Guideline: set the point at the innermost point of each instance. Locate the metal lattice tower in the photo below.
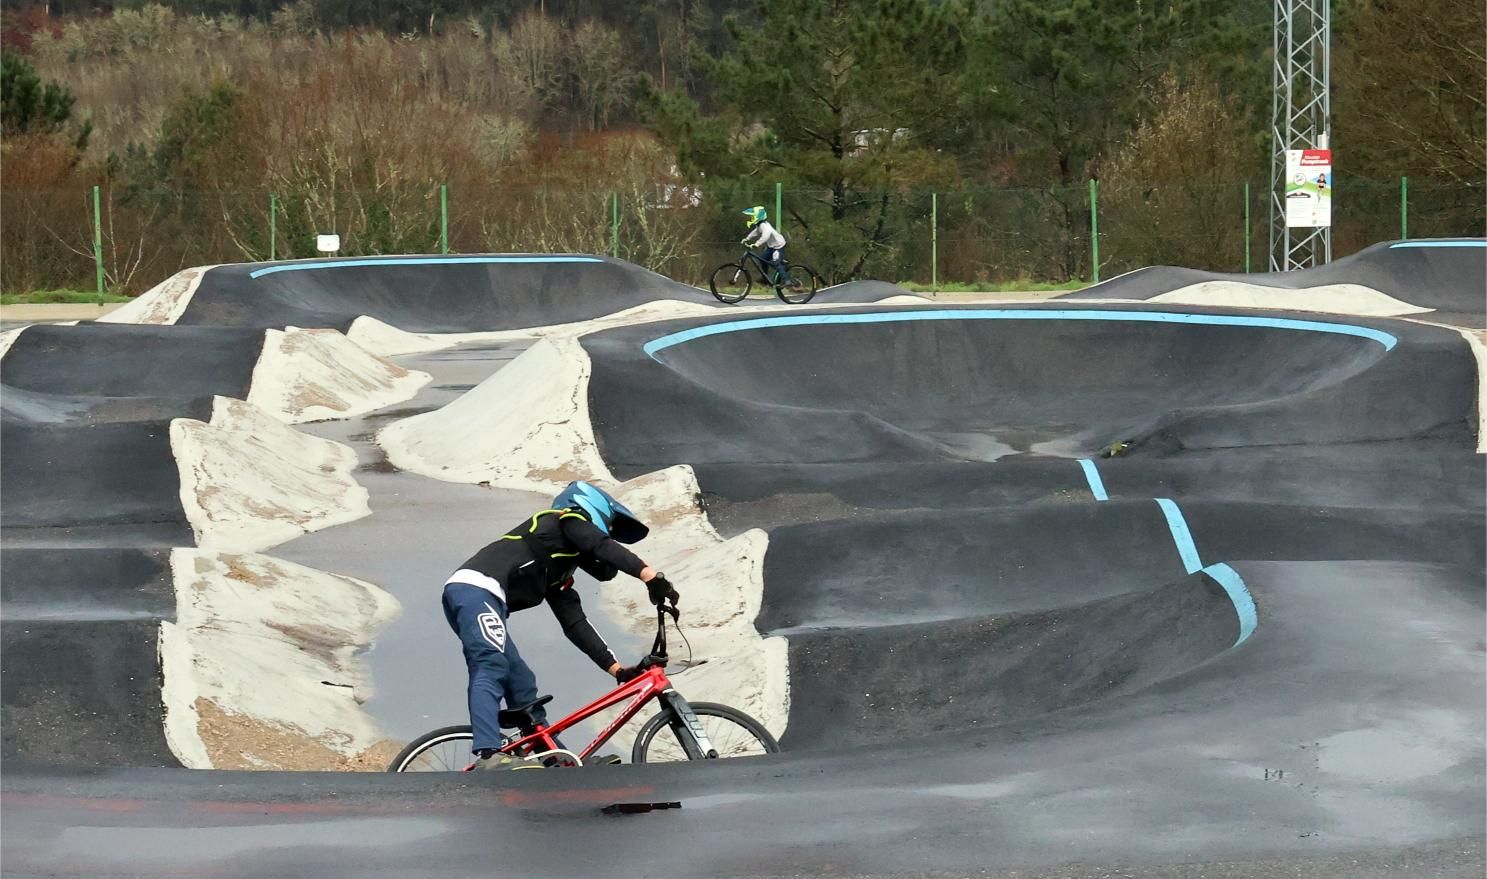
(1301, 113)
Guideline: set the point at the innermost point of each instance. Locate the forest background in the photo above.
(907, 140)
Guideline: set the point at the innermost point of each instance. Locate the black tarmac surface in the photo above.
(89, 507)
(428, 294)
(1448, 276)
(1064, 596)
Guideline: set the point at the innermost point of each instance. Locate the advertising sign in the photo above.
(1308, 188)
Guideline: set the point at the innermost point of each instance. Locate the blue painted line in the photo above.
(1244, 602)
(1476, 243)
(1092, 475)
(436, 260)
(1181, 536)
(881, 317)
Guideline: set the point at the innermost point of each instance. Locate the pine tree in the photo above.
(847, 102)
(27, 106)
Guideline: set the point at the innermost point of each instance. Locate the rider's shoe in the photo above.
(507, 761)
(603, 760)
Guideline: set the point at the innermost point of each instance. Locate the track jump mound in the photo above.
(86, 426)
(1445, 276)
(423, 294)
(922, 679)
(973, 384)
(931, 481)
(864, 292)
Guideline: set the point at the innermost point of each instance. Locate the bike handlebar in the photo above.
(658, 646)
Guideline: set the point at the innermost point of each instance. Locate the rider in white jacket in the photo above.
(767, 236)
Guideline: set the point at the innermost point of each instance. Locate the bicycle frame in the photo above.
(651, 684)
(765, 269)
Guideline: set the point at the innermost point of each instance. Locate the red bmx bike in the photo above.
(682, 730)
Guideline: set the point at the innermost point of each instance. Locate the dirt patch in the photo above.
(235, 741)
(308, 396)
(239, 570)
(660, 518)
(558, 475)
(318, 641)
(266, 510)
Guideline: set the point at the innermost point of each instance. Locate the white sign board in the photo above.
(1308, 188)
(327, 243)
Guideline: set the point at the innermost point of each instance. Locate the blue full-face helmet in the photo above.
(607, 514)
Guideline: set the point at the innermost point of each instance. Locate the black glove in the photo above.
(660, 590)
(628, 673)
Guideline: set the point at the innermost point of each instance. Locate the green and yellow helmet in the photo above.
(756, 214)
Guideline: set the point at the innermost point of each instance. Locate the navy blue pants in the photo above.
(497, 671)
(775, 256)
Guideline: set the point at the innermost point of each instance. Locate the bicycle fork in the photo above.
(687, 727)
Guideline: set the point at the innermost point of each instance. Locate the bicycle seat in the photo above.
(520, 717)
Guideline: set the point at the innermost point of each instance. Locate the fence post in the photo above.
(1404, 208)
(934, 241)
(273, 226)
(443, 217)
(779, 216)
(1094, 229)
(98, 243)
(1246, 227)
(614, 225)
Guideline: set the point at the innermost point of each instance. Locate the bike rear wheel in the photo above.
(732, 733)
(730, 282)
(809, 283)
(444, 750)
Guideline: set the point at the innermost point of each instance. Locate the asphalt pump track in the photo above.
(1070, 588)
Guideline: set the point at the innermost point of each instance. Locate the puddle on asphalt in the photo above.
(1423, 744)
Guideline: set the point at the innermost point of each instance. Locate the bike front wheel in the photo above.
(444, 750)
(803, 286)
(732, 733)
(730, 282)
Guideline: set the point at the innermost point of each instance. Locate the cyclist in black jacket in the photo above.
(534, 562)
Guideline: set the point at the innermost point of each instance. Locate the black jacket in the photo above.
(534, 562)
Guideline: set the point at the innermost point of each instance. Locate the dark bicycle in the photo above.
(731, 282)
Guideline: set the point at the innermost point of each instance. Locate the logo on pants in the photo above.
(492, 629)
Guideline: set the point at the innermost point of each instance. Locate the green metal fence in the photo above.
(105, 238)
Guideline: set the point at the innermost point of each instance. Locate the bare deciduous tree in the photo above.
(602, 79)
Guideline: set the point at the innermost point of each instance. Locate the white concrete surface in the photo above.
(312, 375)
(259, 638)
(8, 338)
(249, 481)
(163, 303)
(526, 427)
